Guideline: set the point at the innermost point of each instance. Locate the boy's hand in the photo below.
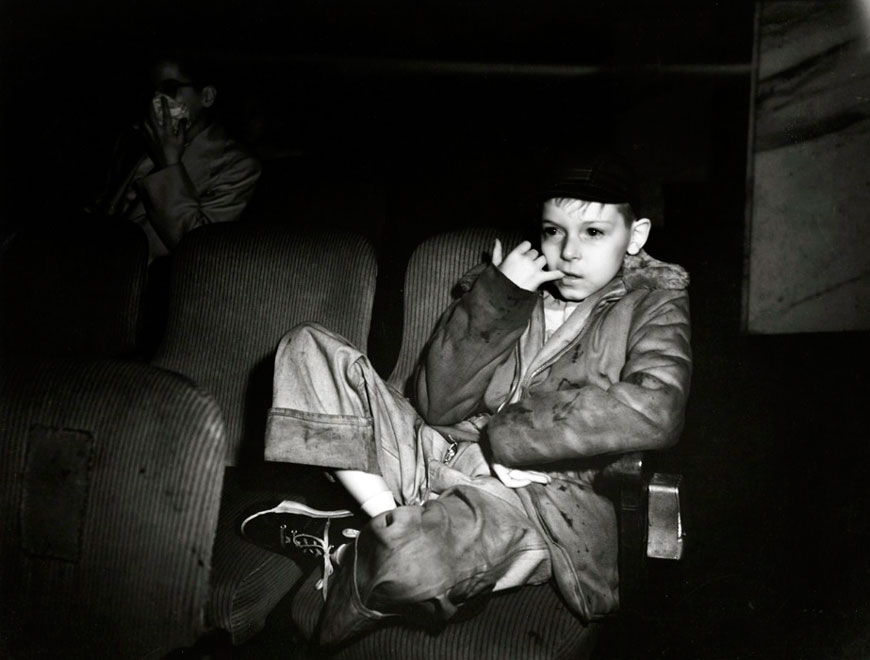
(513, 478)
(165, 143)
(524, 266)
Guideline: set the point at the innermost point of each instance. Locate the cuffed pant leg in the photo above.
(332, 409)
(423, 562)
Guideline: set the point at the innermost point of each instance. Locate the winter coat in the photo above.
(614, 378)
(213, 183)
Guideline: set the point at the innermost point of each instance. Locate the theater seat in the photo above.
(110, 474)
(235, 290)
(431, 280)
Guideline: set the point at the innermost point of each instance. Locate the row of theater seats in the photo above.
(125, 474)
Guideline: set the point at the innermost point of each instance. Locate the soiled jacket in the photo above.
(213, 183)
(614, 378)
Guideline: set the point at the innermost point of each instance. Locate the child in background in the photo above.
(179, 168)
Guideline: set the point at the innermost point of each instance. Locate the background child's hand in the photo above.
(524, 266)
(165, 142)
(513, 478)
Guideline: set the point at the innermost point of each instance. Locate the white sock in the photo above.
(379, 503)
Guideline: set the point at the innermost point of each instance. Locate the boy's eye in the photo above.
(593, 232)
(549, 231)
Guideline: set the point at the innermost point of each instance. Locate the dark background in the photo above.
(403, 119)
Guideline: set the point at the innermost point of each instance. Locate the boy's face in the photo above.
(169, 79)
(587, 242)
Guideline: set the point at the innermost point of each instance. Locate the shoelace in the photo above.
(322, 546)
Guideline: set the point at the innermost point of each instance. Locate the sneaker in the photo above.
(302, 532)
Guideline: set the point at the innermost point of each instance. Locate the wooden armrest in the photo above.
(650, 524)
(625, 480)
(665, 526)
(624, 470)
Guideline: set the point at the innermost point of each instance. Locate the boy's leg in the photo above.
(370, 491)
(424, 562)
(331, 408)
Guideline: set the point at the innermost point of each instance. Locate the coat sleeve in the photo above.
(174, 207)
(643, 410)
(472, 338)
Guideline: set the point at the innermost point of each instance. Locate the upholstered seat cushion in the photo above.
(434, 270)
(247, 581)
(110, 475)
(235, 290)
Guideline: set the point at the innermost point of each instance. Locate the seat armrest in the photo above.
(625, 481)
(624, 470)
(649, 520)
(665, 527)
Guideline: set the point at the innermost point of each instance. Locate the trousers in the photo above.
(458, 532)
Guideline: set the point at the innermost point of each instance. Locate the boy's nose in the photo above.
(570, 249)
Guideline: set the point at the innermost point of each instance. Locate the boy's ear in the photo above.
(208, 96)
(640, 229)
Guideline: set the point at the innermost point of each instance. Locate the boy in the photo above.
(550, 360)
(179, 168)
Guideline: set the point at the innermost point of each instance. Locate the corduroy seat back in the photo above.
(235, 290)
(529, 623)
(74, 291)
(110, 474)
(434, 269)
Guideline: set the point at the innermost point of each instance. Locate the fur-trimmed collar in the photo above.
(641, 271)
